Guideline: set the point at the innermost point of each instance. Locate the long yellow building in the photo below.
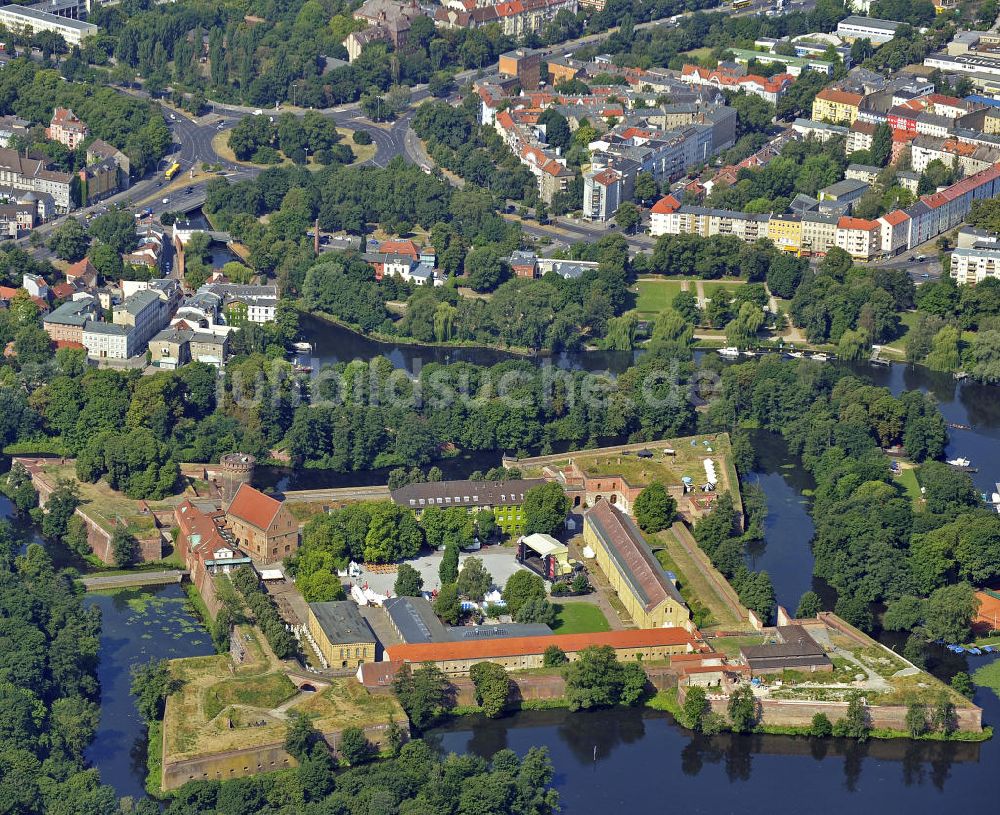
(785, 232)
(649, 596)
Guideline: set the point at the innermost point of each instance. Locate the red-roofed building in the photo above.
(658, 214)
(769, 88)
(63, 291)
(82, 273)
(261, 525)
(859, 237)
(400, 247)
(525, 653)
(207, 547)
(66, 128)
(894, 227)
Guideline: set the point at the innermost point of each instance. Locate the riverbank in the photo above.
(396, 339)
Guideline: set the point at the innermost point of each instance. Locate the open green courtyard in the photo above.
(579, 618)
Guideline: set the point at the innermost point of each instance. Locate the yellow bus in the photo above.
(738, 4)
(173, 168)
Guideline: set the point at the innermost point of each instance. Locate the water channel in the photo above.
(643, 760)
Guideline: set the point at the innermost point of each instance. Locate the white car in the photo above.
(166, 200)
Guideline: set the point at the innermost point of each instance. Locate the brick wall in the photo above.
(240, 763)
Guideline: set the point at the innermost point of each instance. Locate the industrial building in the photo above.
(28, 20)
(341, 634)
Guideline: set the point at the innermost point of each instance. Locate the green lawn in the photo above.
(989, 677)
(908, 478)
(908, 319)
(264, 692)
(656, 295)
(711, 287)
(579, 618)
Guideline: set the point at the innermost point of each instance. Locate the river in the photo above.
(644, 760)
(647, 763)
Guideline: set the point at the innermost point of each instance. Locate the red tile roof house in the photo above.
(261, 525)
(66, 128)
(204, 544)
(82, 273)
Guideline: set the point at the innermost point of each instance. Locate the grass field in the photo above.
(700, 613)
(219, 708)
(908, 478)
(694, 585)
(989, 677)
(655, 296)
(712, 286)
(908, 320)
(579, 618)
(266, 692)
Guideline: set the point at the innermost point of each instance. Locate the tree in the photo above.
(536, 611)
(409, 582)
(742, 709)
(627, 216)
(962, 683)
(596, 679)
(474, 580)
(881, 145)
(485, 269)
(943, 717)
(554, 656)
(422, 693)
(557, 131)
(545, 509)
(492, 687)
(106, 261)
(809, 606)
(855, 611)
(301, 737)
(62, 503)
(645, 186)
(949, 611)
(856, 723)
(821, 726)
(69, 241)
(695, 707)
(354, 746)
(447, 605)
(151, 685)
(448, 568)
(916, 719)
(654, 508)
(486, 524)
(125, 548)
(903, 614)
(522, 587)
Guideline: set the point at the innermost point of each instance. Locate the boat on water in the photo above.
(795, 354)
(959, 462)
(958, 426)
(820, 357)
(302, 369)
(302, 347)
(729, 352)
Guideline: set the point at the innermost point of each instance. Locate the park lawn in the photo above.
(908, 478)
(694, 587)
(908, 319)
(700, 613)
(655, 296)
(698, 54)
(579, 618)
(712, 286)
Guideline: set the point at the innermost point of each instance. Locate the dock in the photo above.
(876, 359)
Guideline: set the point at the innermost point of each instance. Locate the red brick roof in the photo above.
(80, 269)
(841, 97)
(254, 507)
(666, 205)
(857, 223)
(896, 217)
(521, 646)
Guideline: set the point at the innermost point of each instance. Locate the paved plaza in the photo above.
(500, 562)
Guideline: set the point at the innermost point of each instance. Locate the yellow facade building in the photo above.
(785, 232)
(648, 594)
(836, 106)
(341, 634)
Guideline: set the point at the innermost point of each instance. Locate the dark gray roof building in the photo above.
(795, 649)
(465, 493)
(342, 622)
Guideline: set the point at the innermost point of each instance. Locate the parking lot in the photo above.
(500, 562)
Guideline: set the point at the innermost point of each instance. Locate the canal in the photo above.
(643, 759)
(137, 626)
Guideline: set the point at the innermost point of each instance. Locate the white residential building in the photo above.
(867, 28)
(975, 264)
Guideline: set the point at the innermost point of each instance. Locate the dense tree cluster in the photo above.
(597, 679)
(370, 431)
(134, 126)
(48, 687)
(265, 612)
